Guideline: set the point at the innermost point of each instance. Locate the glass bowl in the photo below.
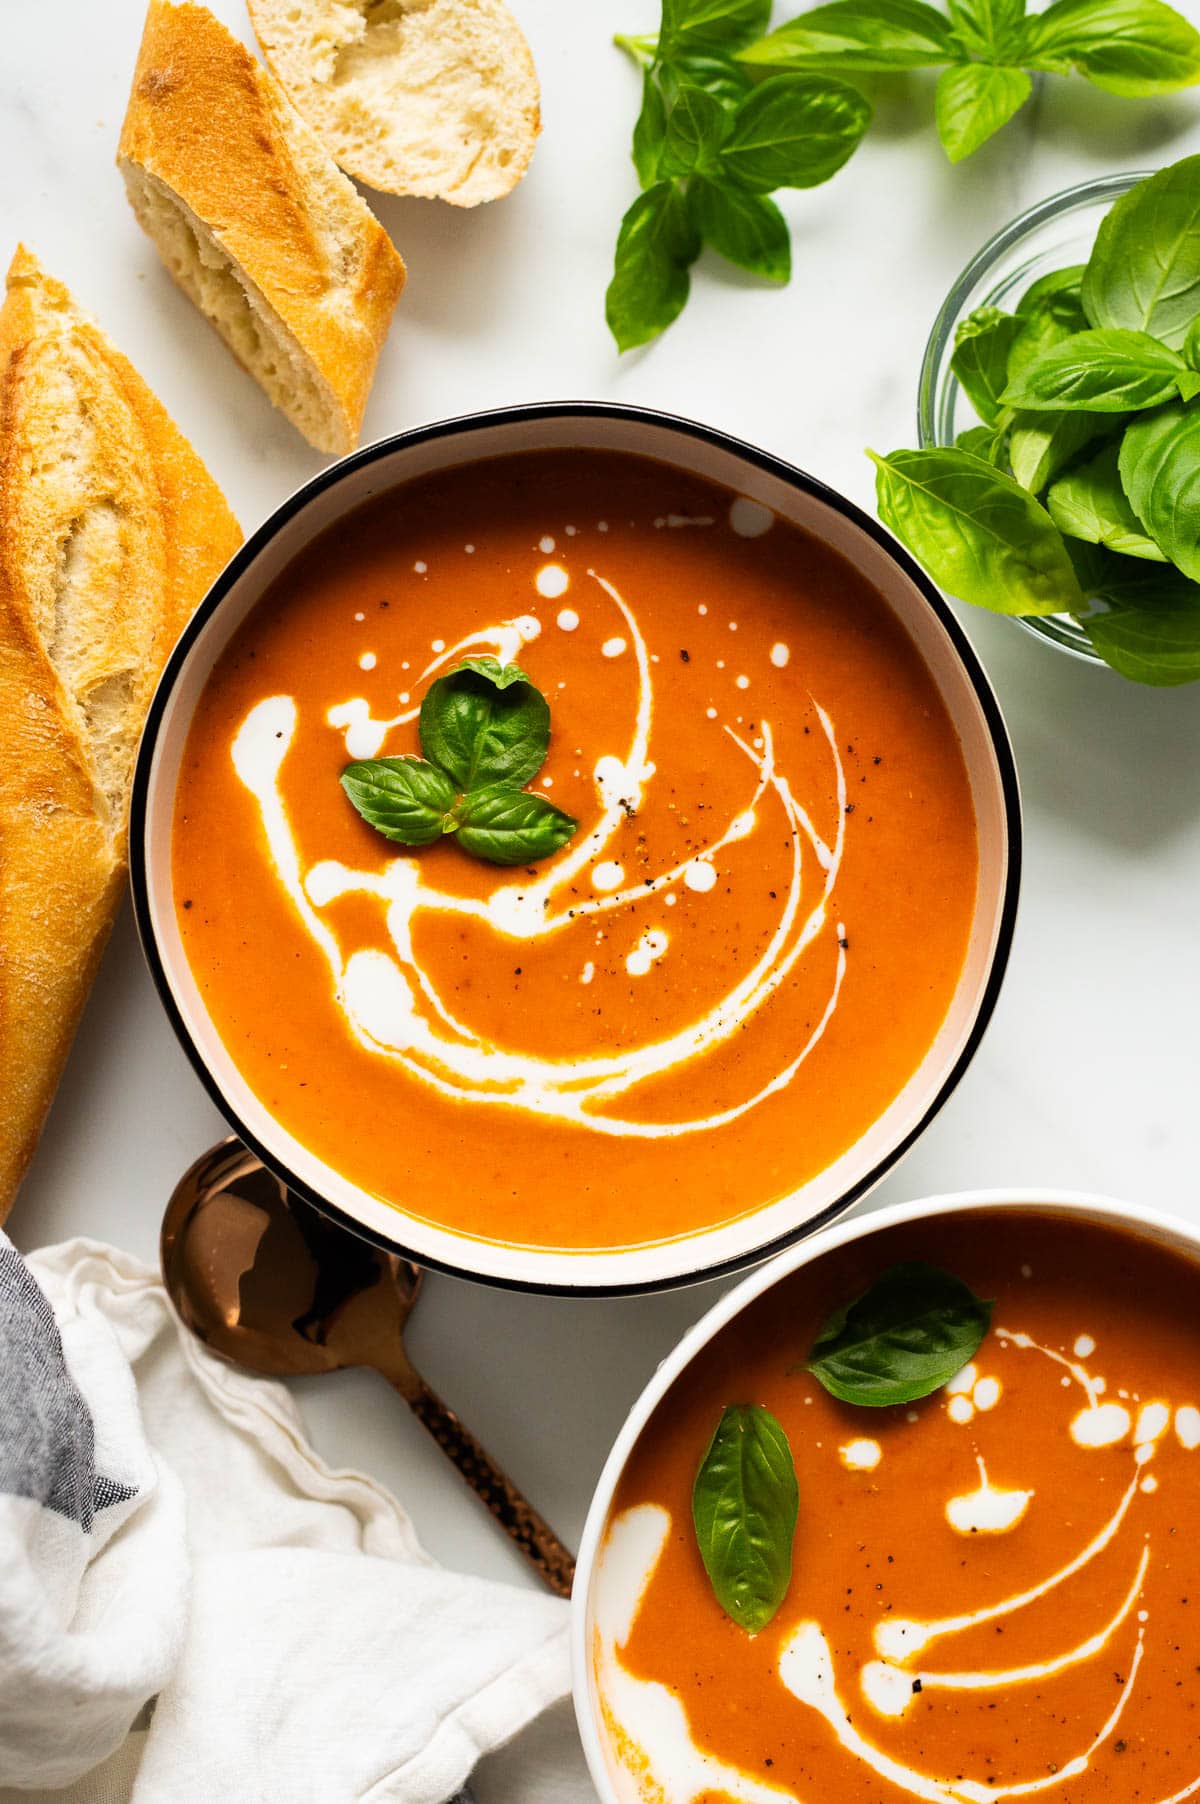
(1053, 235)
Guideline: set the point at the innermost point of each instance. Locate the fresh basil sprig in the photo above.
(1080, 491)
(1129, 47)
(744, 1506)
(902, 1339)
(485, 731)
(710, 147)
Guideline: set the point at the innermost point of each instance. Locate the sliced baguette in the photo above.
(431, 97)
(110, 531)
(256, 223)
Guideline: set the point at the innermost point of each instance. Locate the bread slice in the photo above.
(111, 529)
(430, 97)
(256, 224)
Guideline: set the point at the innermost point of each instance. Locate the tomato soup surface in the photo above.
(713, 990)
(995, 1591)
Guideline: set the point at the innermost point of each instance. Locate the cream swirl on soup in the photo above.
(389, 1000)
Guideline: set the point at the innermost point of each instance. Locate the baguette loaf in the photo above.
(256, 223)
(110, 531)
(432, 97)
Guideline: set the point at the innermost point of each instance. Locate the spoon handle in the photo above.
(516, 1516)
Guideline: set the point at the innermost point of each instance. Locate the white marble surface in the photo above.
(1090, 1073)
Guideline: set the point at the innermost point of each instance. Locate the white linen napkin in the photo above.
(167, 1533)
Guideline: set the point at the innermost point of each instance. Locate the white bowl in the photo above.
(793, 496)
(1162, 1230)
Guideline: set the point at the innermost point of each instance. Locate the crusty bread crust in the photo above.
(110, 531)
(256, 223)
(437, 98)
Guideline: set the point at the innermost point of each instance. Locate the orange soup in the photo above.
(994, 1592)
(705, 997)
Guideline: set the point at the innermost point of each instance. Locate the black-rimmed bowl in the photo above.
(791, 495)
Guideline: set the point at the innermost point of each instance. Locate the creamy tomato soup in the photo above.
(995, 1591)
(701, 1001)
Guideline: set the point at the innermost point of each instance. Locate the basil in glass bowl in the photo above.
(1049, 239)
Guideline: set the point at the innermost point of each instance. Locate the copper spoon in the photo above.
(271, 1284)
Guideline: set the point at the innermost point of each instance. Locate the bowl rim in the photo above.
(1095, 1207)
(465, 426)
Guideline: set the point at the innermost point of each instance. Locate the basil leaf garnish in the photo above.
(1105, 371)
(511, 826)
(1144, 270)
(981, 350)
(484, 725)
(744, 1506)
(402, 798)
(981, 535)
(902, 1339)
(973, 101)
(1160, 473)
(485, 730)
(1089, 503)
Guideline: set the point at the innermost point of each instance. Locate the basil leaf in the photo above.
(746, 228)
(1144, 270)
(650, 132)
(656, 246)
(973, 101)
(1159, 645)
(403, 798)
(510, 826)
(850, 36)
(1160, 473)
(1191, 344)
(978, 533)
(1058, 284)
(1129, 47)
(1041, 445)
(794, 131)
(1127, 582)
(985, 441)
(905, 1337)
(744, 1506)
(711, 24)
(715, 74)
(483, 724)
(1106, 371)
(501, 676)
(1047, 318)
(980, 361)
(989, 29)
(697, 126)
(1091, 504)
